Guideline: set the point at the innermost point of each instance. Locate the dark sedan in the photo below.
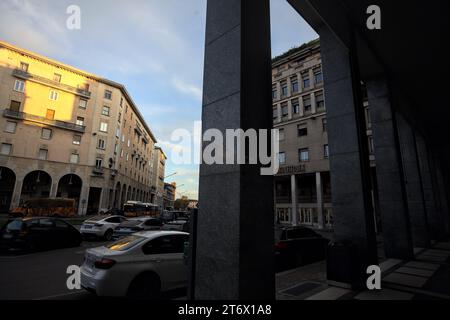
(36, 234)
(298, 246)
(135, 225)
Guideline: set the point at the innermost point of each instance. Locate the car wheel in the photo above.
(108, 234)
(145, 286)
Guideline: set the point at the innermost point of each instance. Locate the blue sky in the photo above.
(153, 47)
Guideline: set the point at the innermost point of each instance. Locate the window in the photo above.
(294, 84)
(306, 81)
(80, 121)
(302, 130)
(320, 102)
(98, 163)
(19, 86)
(24, 66)
(6, 149)
(129, 143)
(307, 103)
(326, 152)
(101, 144)
(284, 89)
(105, 111)
(324, 125)
(303, 155)
(108, 94)
(121, 153)
(121, 102)
(103, 127)
(74, 158)
(50, 115)
(119, 119)
(118, 132)
(368, 119)
(53, 95)
(43, 153)
(274, 93)
(76, 139)
(14, 106)
(10, 127)
(46, 133)
(128, 156)
(282, 134)
(57, 77)
(318, 77)
(282, 158)
(82, 104)
(284, 110)
(275, 113)
(295, 106)
(165, 245)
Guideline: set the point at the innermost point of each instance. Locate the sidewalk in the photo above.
(426, 277)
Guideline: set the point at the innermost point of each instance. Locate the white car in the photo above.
(138, 266)
(101, 226)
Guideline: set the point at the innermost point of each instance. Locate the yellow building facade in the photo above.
(71, 134)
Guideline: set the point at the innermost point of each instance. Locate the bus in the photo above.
(46, 207)
(138, 209)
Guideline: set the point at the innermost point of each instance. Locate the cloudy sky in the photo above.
(153, 47)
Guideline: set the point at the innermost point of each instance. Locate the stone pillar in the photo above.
(300, 82)
(15, 201)
(294, 200)
(301, 106)
(279, 112)
(319, 193)
(102, 198)
(289, 86)
(54, 190)
(312, 83)
(290, 109)
(84, 198)
(234, 257)
(391, 189)
(349, 154)
(413, 185)
(313, 103)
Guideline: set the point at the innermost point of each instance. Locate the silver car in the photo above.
(138, 266)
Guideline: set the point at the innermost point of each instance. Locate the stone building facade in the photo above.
(68, 133)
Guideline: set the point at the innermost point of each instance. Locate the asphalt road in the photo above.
(42, 275)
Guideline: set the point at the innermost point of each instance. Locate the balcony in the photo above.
(17, 115)
(98, 171)
(48, 82)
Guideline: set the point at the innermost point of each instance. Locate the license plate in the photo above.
(88, 227)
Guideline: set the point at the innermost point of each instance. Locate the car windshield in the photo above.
(126, 243)
(130, 223)
(96, 218)
(15, 225)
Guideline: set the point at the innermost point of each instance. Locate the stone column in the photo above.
(300, 82)
(279, 112)
(290, 109)
(84, 198)
(312, 83)
(15, 201)
(349, 154)
(413, 185)
(313, 103)
(319, 193)
(289, 86)
(234, 257)
(391, 189)
(294, 199)
(301, 106)
(54, 190)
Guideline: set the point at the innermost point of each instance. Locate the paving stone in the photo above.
(388, 264)
(405, 279)
(332, 293)
(384, 294)
(416, 272)
(428, 257)
(422, 265)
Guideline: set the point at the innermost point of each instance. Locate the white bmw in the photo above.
(138, 266)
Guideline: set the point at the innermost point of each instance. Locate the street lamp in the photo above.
(170, 175)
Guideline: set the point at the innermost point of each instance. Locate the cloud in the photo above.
(187, 88)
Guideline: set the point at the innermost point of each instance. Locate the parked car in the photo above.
(167, 216)
(177, 225)
(138, 266)
(297, 246)
(101, 226)
(135, 225)
(38, 233)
